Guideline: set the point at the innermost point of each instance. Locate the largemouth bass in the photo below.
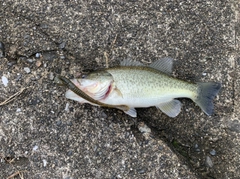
(137, 86)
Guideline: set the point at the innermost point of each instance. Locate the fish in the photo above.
(136, 85)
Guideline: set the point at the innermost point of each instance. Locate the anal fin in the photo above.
(131, 112)
(171, 108)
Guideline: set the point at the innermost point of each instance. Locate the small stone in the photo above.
(213, 152)
(142, 127)
(209, 162)
(4, 81)
(59, 123)
(69, 153)
(62, 57)
(44, 162)
(104, 115)
(38, 55)
(67, 107)
(38, 63)
(30, 60)
(11, 63)
(160, 147)
(62, 45)
(119, 176)
(18, 110)
(141, 171)
(18, 77)
(35, 147)
(27, 70)
(51, 76)
(196, 148)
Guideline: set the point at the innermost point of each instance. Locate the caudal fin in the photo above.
(206, 93)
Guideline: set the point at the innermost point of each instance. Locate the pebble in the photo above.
(209, 162)
(27, 70)
(4, 81)
(38, 55)
(18, 76)
(11, 63)
(59, 123)
(44, 162)
(67, 107)
(104, 115)
(144, 128)
(51, 77)
(69, 153)
(18, 110)
(30, 60)
(160, 147)
(196, 148)
(141, 171)
(62, 57)
(213, 152)
(62, 45)
(35, 147)
(38, 63)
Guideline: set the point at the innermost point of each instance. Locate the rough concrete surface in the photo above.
(44, 135)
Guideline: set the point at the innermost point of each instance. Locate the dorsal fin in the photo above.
(164, 65)
(127, 62)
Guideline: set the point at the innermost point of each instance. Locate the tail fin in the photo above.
(206, 93)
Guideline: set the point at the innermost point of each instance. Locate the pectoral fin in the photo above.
(171, 108)
(119, 93)
(71, 95)
(131, 112)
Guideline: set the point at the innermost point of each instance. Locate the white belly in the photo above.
(133, 101)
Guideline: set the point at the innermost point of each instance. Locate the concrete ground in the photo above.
(44, 135)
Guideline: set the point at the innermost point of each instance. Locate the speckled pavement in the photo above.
(44, 135)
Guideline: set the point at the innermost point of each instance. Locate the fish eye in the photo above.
(84, 76)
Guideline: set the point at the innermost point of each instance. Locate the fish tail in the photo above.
(206, 94)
